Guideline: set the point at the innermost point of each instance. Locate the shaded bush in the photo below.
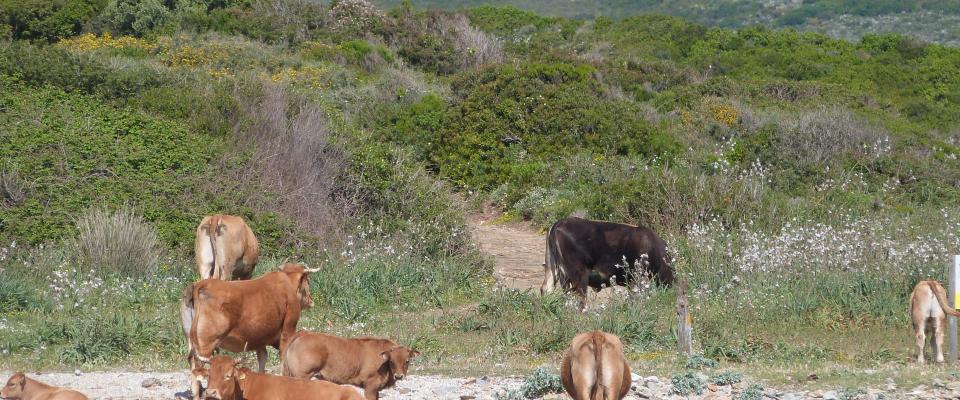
(135, 16)
(118, 242)
(46, 20)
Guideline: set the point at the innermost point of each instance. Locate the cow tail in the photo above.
(187, 313)
(598, 383)
(941, 296)
(554, 261)
(212, 230)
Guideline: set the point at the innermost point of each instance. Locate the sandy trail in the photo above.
(517, 250)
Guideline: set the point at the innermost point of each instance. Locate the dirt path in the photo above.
(517, 249)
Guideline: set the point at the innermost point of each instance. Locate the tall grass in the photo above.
(118, 242)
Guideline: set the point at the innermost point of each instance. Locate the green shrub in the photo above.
(46, 20)
(698, 361)
(115, 156)
(726, 378)
(541, 382)
(688, 383)
(135, 16)
(118, 242)
(16, 294)
(752, 392)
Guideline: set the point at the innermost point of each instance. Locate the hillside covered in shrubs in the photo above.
(783, 167)
(930, 20)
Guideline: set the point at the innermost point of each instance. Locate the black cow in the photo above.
(582, 253)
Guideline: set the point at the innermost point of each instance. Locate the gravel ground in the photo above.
(171, 385)
(174, 385)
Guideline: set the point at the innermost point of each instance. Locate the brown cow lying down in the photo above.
(594, 367)
(370, 363)
(928, 304)
(244, 315)
(20, 387)
(227, 381)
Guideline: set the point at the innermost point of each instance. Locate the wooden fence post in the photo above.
(684, 322)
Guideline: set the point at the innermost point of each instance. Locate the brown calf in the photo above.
(244, 315)
(370, 363)
(225, 248)
(19, 387)
(594, 367)
(227, 381)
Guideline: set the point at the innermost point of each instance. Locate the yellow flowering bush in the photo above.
(724, 114)
(309, 75)
(89, 42)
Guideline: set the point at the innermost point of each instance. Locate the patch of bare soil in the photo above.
(517, 249)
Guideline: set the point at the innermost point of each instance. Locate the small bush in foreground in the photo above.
(752, 392)
(687, 384)
(727, 378)
(698, 361)
(120, 242)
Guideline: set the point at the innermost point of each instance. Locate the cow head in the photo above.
(224, 379)
(14, 387)
(300, 275)
(396, 360)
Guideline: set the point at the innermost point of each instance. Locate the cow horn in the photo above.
(309, 270)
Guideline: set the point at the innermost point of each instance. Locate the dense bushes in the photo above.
(44, 19)
(82, 152)
(508, 116)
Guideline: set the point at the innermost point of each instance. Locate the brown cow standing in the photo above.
(244, 315)
(929, 305)
(230, 382)
(225, 248)
(370, 363)
(594, 367)
(19, 387)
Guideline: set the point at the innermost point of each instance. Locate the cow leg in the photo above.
(580, 288)
(548, 281)
(919, 331)
(261, 359)
(371, 393)
(937, 342)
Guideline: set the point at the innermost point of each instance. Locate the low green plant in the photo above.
(752, 392)
(726, 378)
(688, 383)
(540, 382)
(698, 361)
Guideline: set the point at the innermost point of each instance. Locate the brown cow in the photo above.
(370, 363)
(244, 315)
(594, 367)
(227, 381)
(19, 387)
(225, 248)
(928, 304)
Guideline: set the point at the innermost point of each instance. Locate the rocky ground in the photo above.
(174, 385)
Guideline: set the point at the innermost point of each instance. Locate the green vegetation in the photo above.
(804, 183)
(850, 19)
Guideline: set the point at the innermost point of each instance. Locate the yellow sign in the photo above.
(956, 299)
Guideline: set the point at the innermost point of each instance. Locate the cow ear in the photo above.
(414, 353)
(385, 355)
(242, 375)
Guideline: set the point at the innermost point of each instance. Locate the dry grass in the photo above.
(118, 242)
(474, 47)
(12, 186)
(294, 155)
